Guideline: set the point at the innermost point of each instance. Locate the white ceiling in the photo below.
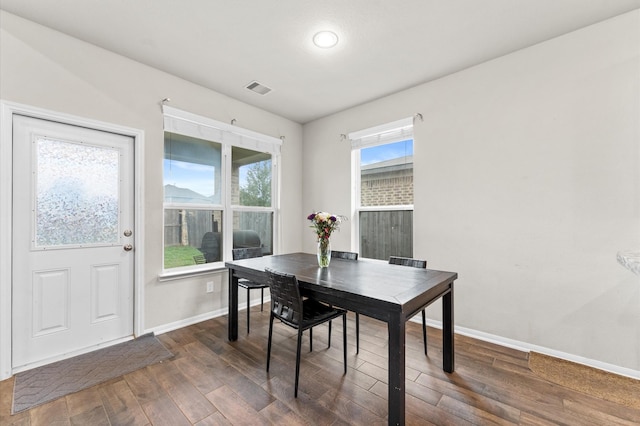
(385, 46)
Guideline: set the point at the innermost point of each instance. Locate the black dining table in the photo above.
(375, 288)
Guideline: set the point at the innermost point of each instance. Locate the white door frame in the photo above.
(7, 110)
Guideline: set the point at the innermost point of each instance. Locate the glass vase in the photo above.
(324, 252)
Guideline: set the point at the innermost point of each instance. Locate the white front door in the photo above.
(73, 263)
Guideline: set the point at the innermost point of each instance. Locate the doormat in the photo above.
(591, 381)
(44, 384)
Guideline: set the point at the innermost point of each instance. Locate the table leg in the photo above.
(396, 370)
(233, 306)
(447, 332)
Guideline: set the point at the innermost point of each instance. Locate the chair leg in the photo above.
(261, 299)
(357, 332)
(311, 339)
(298, 360)
(248, 311)
(344, 340)
(269, 344)
(424, 330)
(329, 335)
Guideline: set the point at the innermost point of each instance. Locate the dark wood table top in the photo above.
(368, 286)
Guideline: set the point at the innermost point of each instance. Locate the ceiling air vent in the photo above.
(261, 89)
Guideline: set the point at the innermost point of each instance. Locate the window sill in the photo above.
(176, 275)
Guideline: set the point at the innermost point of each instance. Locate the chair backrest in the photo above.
(199, 259)
(286, 302)
(407, 261)
(246, 253)
(347, 255)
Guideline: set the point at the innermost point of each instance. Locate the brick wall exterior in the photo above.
(387, 188)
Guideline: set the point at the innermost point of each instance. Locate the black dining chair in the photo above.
(288, 306)
(414, 263)
(248, 253)
(349, 255)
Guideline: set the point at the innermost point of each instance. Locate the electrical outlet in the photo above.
(209, 286)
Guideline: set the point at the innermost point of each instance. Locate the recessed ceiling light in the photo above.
(325, 39)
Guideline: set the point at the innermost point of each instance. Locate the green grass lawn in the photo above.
(176, 256)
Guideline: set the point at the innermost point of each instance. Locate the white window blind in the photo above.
(197, 126)
(395, 131)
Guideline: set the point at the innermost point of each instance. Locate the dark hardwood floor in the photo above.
(211, 381)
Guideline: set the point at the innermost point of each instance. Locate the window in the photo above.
(251, 199)
(219, 190)
(383, 175)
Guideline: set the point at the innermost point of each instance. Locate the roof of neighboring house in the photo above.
(395, 164)
(174, 194)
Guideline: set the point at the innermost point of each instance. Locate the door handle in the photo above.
(128, 247)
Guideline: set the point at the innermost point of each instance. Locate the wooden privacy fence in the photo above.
(382, 233)
(187, 227)
(386, 233)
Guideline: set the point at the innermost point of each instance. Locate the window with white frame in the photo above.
(382, 159)
(220, 190)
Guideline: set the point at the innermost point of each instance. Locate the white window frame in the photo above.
(196, 126)
(395, 131)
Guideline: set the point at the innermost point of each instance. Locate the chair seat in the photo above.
(250, 284)
(315, 312)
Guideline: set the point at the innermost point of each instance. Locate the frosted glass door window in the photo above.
(77, 194)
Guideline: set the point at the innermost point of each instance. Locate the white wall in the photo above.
(527, 172)
(527, 183)
(47, 69)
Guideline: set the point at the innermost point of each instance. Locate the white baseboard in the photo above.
(480, 335)
(528, 347)
(165, 328)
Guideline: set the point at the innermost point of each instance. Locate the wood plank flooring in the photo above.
(211, 381)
